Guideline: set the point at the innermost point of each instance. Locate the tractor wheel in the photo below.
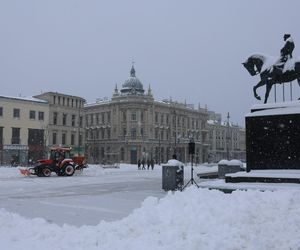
(46, 172)
(69, 170)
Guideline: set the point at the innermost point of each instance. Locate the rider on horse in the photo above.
(285, 52)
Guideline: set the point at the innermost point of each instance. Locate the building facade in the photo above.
(132, 125)
(227, 141)
(23, 122)
(66, 120)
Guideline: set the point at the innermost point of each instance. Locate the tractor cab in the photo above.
(57, 155)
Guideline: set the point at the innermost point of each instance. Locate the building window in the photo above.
(122, 154)
(55, 118)
(80, 140)
(161, 135)
(54, 138)
(142, 116)
(54, 99)
(124, 132)
(64, 119)
(133, 133)
(73, 120)
(72, 103)
(72, 139)
(102, 117)
(108, 133)
(16, 113)
(63, 101)
(80, 121)
(1, 135)
(162, 119)
(41, 115)
(156, 133)
(124, 116)
(32, 115)
(92, 119)
(63, 138)
(15, 139)
(102, 153)
(1, 111)
(156, 117)
(133, 116)
(108, 117)
(59, 100)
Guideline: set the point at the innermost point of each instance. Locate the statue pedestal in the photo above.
(273, 136)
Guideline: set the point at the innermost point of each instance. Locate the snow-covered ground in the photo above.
(127, 209)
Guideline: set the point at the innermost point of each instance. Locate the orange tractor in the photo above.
(61, 161)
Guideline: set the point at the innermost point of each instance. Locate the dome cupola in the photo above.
(132, 85)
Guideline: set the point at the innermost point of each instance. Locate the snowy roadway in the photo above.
(87, 198)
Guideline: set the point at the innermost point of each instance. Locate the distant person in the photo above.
(13, 161)
(152, 163)
(148, 164)
(30, 161)
(143, 164)
(139, 164)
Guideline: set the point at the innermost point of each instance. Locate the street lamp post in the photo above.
(227, 138)
(175, 135)
(159, 148)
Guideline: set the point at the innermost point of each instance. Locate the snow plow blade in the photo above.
(25, 171)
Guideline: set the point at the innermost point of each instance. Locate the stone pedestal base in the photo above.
(273, 136)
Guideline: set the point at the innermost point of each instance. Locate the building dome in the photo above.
(132, 85)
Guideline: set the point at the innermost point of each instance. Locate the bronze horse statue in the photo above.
(265, 66)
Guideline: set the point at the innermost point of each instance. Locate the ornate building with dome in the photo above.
(133, 125)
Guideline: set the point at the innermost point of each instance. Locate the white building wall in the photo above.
(7, 121)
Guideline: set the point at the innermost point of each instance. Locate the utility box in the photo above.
(172, 175)
(227, 167)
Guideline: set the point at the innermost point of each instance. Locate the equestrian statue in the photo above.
(273, 70)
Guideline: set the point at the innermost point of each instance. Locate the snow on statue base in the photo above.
(273, 136)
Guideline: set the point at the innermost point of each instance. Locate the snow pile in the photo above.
(193, 219)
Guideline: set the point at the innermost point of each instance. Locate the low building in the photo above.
(227, 141)
(23, 122)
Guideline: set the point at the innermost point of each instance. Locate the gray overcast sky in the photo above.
(185, 49)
